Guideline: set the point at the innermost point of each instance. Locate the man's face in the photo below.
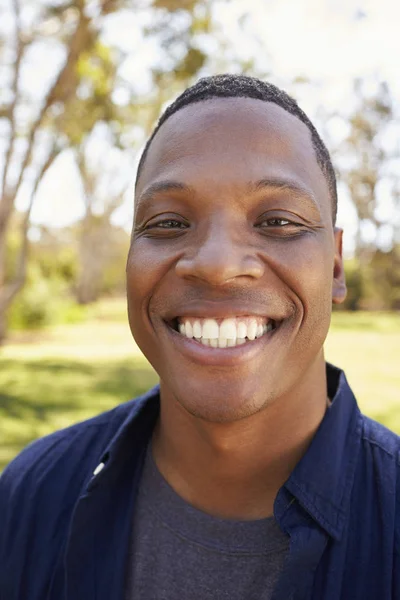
(233, 222)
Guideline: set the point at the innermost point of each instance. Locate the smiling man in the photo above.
(249, 472)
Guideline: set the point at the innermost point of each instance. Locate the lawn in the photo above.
(51, 379)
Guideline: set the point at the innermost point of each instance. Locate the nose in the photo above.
(220, 258)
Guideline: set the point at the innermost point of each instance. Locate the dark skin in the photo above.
(233, 218)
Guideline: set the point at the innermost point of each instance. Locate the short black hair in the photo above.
(243, 86)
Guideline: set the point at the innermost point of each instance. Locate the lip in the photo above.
(219, 357)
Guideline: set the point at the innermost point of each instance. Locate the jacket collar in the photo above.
(321, 481)
(102, 518)
(127, 446)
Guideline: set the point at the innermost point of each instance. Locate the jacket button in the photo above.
(99, 468)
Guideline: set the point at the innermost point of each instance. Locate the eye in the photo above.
(279, 226)
(166, 227)
(277, 222)
(167, 224)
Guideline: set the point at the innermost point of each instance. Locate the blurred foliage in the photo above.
(382, 281)
(34, 308)
(355, 287)
(49, 296)
(366, 160)
(44, 300)
(103, 250)
(43, 303)
(80, 95)
(175, 5)
(373, 285)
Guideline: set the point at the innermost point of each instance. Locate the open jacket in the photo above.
(64, 532)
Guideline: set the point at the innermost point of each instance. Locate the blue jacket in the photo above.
(64, 532)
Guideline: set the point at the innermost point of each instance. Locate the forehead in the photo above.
(230, 142)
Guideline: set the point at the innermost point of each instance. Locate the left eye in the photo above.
(168, 224)
(276, 222)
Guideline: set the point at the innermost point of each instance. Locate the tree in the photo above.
(368, 162)
(105, 180)
(176, 26)
(32, 141)
(78, 95)
(367, 159)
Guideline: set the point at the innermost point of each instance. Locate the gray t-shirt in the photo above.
(180, 552)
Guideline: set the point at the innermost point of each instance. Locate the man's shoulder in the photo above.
(39, 489)
(383, 440)
(380, 462)
(59, 455)
(51, 448)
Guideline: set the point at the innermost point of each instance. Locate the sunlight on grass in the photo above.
(38, 396)
(51, 379)
(367, 347)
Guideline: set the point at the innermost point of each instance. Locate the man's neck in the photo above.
(234, 470)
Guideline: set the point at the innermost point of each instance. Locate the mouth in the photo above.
(223, 333)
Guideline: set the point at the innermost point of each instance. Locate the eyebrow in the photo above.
(163, 186)
(267, 183)
(277, 183)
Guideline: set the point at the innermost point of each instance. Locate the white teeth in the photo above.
(241, 330)
(229, 333)
(197, 329)
(227, 329)
(210, 329)
(252, 329)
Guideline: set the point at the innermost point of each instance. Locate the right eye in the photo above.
(167, 224)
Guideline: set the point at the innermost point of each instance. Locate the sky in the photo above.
(329, 42)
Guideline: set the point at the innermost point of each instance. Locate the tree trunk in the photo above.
(3, 302)
(3, 327)
(91, 260)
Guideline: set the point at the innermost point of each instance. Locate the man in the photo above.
(249, 473)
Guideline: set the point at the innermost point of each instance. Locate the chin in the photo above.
(221, 407)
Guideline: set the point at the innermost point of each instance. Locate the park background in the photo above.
(81, 85)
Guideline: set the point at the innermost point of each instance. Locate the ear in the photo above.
(339, 290)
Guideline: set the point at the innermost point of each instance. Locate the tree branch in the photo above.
(62, 89)
(11, 289)
(86, 180)
(7, 199)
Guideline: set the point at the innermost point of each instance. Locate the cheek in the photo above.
(305, 267)
(145, 268)
(141, 277)
(145, 273)
(312, 276)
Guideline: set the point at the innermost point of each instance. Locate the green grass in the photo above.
(40, 396)
(367, 347)
(51, 379)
